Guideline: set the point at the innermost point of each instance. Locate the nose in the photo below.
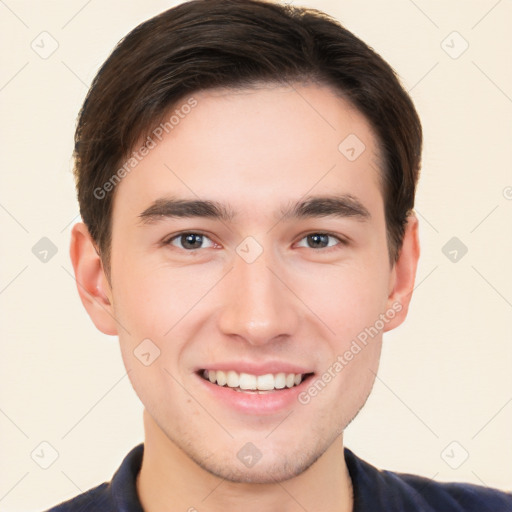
(258, 304)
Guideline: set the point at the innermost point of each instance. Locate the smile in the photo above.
(246, 382)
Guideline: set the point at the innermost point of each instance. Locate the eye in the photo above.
(189, 241)
(321, 241)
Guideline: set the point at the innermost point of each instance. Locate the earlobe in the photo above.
(92, 284)
(404, 274)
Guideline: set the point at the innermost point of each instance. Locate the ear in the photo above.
(401, 282)
(92, 284)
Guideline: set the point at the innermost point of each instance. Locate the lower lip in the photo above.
(253, 402)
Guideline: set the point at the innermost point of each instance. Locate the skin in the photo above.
(254, 150)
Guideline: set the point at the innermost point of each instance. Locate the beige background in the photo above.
(445, 375)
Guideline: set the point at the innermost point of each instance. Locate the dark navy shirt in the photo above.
(374, 491)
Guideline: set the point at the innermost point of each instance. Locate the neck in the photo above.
(169, 479)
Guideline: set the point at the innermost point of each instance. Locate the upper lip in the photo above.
(254, 368)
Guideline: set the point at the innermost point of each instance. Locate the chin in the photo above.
(275, 463)
(269, 472)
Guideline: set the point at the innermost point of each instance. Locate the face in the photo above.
(277, 277)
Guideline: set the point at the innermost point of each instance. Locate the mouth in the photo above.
(254, 384)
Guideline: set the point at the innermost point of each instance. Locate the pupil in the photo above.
(316, 238)
(191, 238)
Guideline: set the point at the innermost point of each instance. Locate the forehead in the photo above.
(261, 146)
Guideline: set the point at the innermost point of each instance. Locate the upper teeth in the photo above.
(256, 382)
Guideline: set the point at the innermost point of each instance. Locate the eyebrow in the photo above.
(340, 206)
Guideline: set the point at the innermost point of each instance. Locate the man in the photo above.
(246, 175)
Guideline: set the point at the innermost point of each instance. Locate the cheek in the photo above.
(144, 312)
(151, 299)
(161, 304)
(149, 307)
(358, 374)
(348, 298)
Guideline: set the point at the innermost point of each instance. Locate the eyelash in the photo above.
(342, 241)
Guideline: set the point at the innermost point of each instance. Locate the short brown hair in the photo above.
(203, 44)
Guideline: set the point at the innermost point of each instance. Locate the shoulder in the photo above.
(450, 497)
(96, 499)
(390, 491)
(120, 494)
